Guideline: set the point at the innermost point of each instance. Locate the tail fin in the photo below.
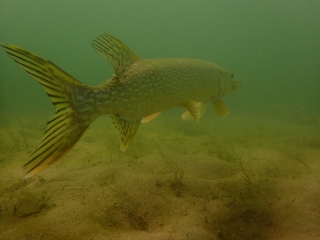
(66, 127)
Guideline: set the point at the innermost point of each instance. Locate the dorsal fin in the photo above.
(115, 51)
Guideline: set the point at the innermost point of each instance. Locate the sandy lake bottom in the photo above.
(229, 179)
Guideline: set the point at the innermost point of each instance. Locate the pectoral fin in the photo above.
(195, 109)
(219, 108)
(149, 118)
(127, 129)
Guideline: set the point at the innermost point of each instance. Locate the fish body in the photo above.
(149, 86)
(138, 92)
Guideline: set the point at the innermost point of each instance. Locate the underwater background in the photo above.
(251, 175)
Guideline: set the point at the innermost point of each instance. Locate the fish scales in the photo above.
(156, 85)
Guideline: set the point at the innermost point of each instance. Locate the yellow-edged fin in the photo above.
(127, 129)
(63, 132)
(115, 51)
(65, 128)
(194, 109)
(219, 108)
(51, 77)
(186, 115)
(149, 118)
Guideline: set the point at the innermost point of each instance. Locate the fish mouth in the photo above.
(236, 84)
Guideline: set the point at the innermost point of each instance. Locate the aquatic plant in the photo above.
(16, 141)
(175, 172)
(245, 204)
(227, 153)
(19, 201)
(16, 138)
(295, 153)
(127, 206)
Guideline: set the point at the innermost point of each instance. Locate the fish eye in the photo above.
(231, 74)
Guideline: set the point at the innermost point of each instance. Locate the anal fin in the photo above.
(127, 129)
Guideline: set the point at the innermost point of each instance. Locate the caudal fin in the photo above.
(66, 126)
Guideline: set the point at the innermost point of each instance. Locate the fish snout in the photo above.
(236, 84)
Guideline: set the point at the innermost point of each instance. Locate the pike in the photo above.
(138, 91)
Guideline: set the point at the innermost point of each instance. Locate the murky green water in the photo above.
(251, 175)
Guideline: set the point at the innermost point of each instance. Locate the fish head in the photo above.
(228, 84)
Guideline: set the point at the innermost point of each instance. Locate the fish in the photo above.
(138, 91)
